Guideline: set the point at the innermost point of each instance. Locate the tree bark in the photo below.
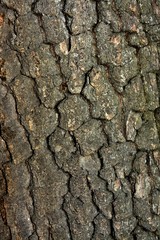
(80, 120)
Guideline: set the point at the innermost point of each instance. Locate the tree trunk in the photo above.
(80, 120)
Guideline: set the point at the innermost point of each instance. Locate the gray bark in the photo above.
(79, 120)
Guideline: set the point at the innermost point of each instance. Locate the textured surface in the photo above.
(79, 120)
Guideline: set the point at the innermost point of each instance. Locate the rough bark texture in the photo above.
(80, 120)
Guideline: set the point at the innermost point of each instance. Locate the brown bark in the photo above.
(79, 120)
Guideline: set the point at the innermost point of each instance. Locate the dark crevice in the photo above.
(67, 219)
(4, 213)
(68, 186)
(76, 144)
(94, 204)
(57, 109)
(112, 228)
(31, 193)
(90, 104)
(94, 228)
(7, 147)
(68, 23)
(87, 79)
(33, 5)
(99, 175)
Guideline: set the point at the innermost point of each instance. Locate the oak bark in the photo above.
(79, 120)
